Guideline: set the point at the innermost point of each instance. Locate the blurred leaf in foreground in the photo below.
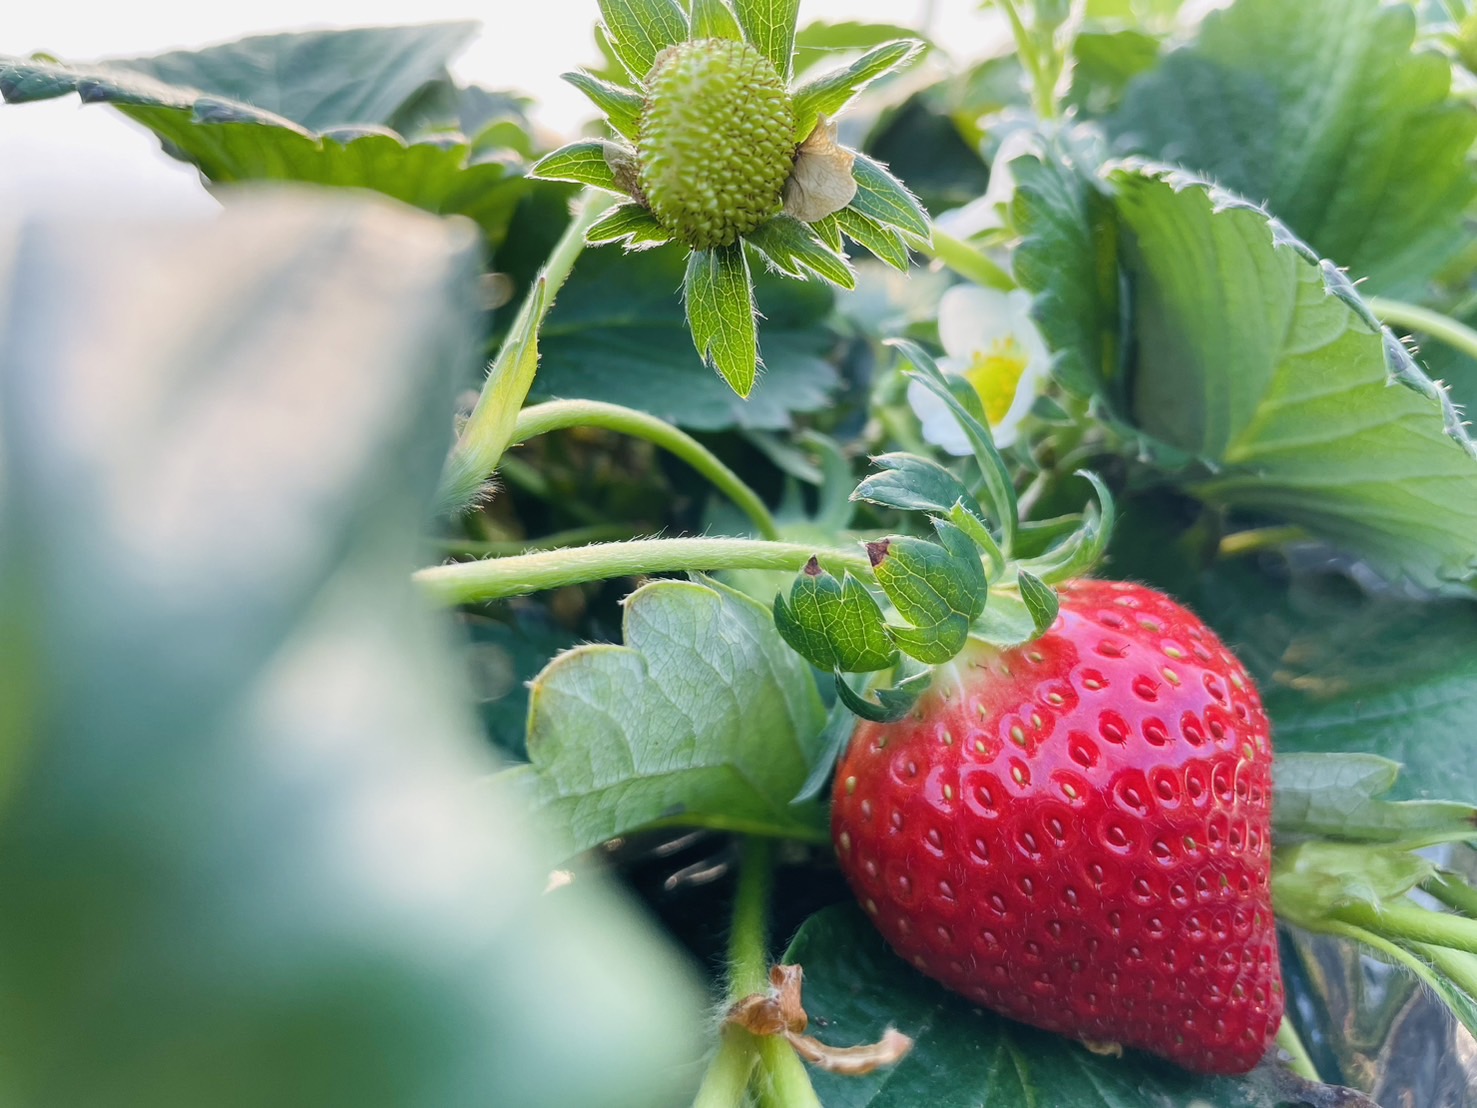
(242, 852)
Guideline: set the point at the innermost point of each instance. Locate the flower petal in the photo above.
(971, 318)
(939, 425)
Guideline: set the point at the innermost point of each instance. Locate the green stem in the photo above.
(1458, 965)
(1424, 320)
(1240, 543)
(1045, 101)
(499, 548)
(1407, 922)
(968, 261)
(559, 415)
(1454, 894)
(1301, 1062)
(728, 1075)
(786, 1081)
(495, 578)
(489, 428)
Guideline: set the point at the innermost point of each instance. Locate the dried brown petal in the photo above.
(821, 183)
(853, 1061)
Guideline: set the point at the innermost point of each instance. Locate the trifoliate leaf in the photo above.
(621, 106)
(834, 625)
(840, 724)
(886, 199)
(828, 94)
(639, 30)
(720, 313)
(583, 163)
(795, 250)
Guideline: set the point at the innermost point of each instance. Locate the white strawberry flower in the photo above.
(991, 211)
(991, 341)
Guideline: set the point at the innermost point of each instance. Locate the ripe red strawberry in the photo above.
(1075, 832)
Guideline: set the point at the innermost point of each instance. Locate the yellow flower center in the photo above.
(996, 375)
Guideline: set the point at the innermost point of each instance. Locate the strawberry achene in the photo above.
(1076, 832)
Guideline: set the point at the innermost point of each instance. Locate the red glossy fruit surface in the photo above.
(1076, 832)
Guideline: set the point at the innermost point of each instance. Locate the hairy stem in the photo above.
(496, 578)
(1454, 894)
(503, 547)
(968, 261)
(489, 428)
(1408, 923)
(1044, 100)
(786, 1081)
(1300, 1061)
(1396, 313)
(727, 1078)
(558, 415)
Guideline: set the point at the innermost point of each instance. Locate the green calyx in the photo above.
(716, 141)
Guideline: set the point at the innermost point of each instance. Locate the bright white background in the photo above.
(59, 154)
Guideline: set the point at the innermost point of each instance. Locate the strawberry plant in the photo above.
(885, 571)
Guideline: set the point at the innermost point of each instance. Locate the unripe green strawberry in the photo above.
(1076, 832)
(716, 142)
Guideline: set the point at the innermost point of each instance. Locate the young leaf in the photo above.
(1326, 111)
(621, 106)
(720, 314)
(1041, 601)
(993, 470)
(884, 198)
(828, 230)
(885, 244)
(1338, 796)
(583, 163)
(828, 94)
(703, 718)
(769, 25)
(629, 224)
(939, 588)
(833, 624)
(713, 19)
(639, 30)
(795, 250)
(913, 484)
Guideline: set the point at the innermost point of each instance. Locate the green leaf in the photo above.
(1322, 110)
(317, 79)
(620, 106)
(964, 1057)
(840, 725)
(833, 625)
(1312, 879)
(1103, 64)
(884, 198)
(939, 588)
(244, 857)
(582, 163)
(618, 334)
(891, 705)
(793, 249)
(821, 41)
(885, 244)
(1040, 600)
(1068, 258)
(713, 19)
(1339, 796)
(769, 25)
(639, 30)
(631, 225)
(233, 141)
(829, 94)
(1259, 360)
(996, 476)
(913, 484)
(1084, 548)
(703, 718)
(719, 294)
(828, 230)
